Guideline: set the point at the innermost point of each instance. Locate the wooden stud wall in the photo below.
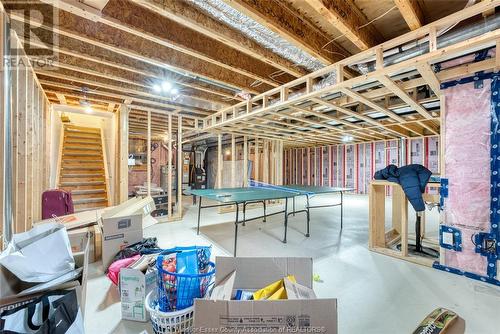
(30, 142)
(312, 170)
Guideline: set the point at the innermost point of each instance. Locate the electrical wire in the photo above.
(377, 18)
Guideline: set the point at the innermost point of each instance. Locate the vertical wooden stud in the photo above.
(180, 163)
(148, 155)
(233, 161)
(245, 162)
(220, 160)
(169, 168)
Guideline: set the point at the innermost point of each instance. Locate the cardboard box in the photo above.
(279, 316)
(13, 292)
(78, 240)
(118, 233)
(134, 286)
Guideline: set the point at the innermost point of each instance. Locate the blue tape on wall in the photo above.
(487, 244)
(450, 238)
(443, 192)
(493, 239)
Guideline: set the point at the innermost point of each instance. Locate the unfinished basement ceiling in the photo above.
(217, 53)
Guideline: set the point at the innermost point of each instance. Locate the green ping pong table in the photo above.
(260, 193)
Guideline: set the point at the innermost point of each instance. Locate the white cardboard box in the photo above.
(118, 233)
(134, 286)
(279, 316)
(78, 239)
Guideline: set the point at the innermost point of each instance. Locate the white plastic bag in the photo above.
(40, 254)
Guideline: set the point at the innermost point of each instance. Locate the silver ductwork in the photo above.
(420, 47)
(262, 35)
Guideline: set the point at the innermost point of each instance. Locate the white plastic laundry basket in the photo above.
(179, 322)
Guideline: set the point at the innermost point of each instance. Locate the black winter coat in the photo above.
(412, 178)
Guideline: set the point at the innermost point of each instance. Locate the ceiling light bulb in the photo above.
(228, 152)
(88, 110)
(347, 139)
(157, 88)
(174, 91)
(166, 86)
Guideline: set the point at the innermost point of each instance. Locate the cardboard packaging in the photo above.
(118, 233)
(134, 286)
(249, 316)
(13, 292)
(122, 226)
(78, 239)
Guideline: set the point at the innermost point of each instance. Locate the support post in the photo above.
(148, 157)
(169, 166)
(123, 152)
(233, 161)
(245, 162)
(220, 161)
(180, 161)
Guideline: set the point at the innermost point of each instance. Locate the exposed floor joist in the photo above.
(280, 20)
(349, 20)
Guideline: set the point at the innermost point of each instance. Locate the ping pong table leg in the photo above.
(236, 230)
(341, 209)
(286, 219)
(199, 214)
(264, 202)
(307, 212)
(244, 213)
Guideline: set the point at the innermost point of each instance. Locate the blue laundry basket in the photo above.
(177, 291)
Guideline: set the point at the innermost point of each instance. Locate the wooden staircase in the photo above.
(82, 168)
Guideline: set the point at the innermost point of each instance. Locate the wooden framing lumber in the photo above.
(102, 36)
(170, 167)
(192, 17)
(348, 19)
(411, 12)
(272, 15)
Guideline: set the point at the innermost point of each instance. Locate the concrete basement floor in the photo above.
(376, 294)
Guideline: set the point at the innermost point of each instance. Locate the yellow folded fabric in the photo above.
(279, 294)
(271, 289)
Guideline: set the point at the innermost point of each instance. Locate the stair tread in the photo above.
(87, 191)
(89, 200)
(89, 209)
(80, 183)
(82, 175)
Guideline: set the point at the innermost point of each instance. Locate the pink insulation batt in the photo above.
(467, 167)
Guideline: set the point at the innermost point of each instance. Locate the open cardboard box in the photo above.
(13, 292)
(283, 316)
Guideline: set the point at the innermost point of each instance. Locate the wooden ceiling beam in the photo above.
(403, 95)
(121, 88)
(349, 20)
(359, 97)
(277, 18)
(351, 113)
(61, 98)
(95, 70)
(192, 17)
(124, 43)
(430, 78)
(134, 19)
(355, 128)
(76, 52)
(411, 12)
(126, 99)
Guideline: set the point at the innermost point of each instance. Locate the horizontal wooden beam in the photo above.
(349, 20)
(124, 43)
(192, 17)
(279, 19)
(411, 12)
